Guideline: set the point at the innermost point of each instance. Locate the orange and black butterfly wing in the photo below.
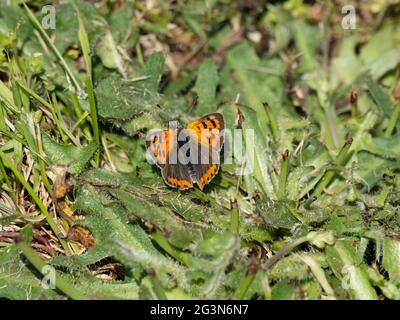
(163, 150)
(177, 176)
(209, 130)
(160, 146)
(207, 134)
(205, 173)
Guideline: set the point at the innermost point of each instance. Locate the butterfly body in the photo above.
(188, 155)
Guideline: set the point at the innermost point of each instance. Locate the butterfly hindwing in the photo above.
(205, 173)
(177, 176)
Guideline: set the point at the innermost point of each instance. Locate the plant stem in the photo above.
(234, 217)
(354, 103)
(107, 152)
(93, 113)
(266, 287)
(62, 124)
(53, 47)
(84, 42)
(40, 99)
(79, 113)
(158, 289)
(39, 264)
(318, 273)
(244, 286)
(280, 254)
(7, 180)
(392, 122)
(331, 130)
(283, 175)
(330, 174)
(79, 121)
(41, 162)
(164, 244)
(272, 121)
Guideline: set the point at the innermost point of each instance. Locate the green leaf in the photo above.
(122, 21)
(127, 243)
(163, 219)
(391, 259)
(342, 260)
(380, 43)
(108, 52)
(347, 220)
(283, 291)
(347, 65)
(256, 87)
(277, 214)
(387, 62)
(366, 161)
(74, 157)
(258, 163)
(384, 147)
(6, 94)
(291, 267)
(205, 87)
(67, 24)
(153, 70)
(18, 281)
(306, 38)
(380, 97)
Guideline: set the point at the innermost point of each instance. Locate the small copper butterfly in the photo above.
(188, 155)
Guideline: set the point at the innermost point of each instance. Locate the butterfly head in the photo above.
(173, 125)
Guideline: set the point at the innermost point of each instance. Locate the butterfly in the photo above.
(188, 155)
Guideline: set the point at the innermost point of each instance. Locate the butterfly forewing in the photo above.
(160, 146)
(209, 129)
